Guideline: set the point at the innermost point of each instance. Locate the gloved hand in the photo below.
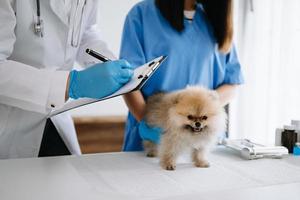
(149, 133)
(99, 80)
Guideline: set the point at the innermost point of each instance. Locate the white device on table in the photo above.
(250, 150)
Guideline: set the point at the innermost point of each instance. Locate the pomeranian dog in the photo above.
(190, 118)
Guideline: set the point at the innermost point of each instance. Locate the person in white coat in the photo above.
(40, 40)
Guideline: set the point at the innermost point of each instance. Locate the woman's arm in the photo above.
(226, 93)
(132, 49)
(233, 78)
(21, 85)
(136, 104)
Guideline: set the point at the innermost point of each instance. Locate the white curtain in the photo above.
(268, 41)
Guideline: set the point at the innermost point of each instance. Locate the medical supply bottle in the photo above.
(296, 123)
(289, 137)
(296, 151)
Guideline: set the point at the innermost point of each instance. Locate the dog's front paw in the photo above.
(202, 164)
(168, 166)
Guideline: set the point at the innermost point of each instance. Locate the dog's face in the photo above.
(195, 110)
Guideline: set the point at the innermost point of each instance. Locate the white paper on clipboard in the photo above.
(140, 76)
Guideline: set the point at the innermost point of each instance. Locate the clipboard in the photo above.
(140, 76)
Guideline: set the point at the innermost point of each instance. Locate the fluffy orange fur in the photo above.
(190, 118)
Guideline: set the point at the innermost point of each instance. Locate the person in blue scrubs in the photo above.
(196, 37)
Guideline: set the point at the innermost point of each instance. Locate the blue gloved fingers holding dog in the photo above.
(99, 80)
(149, 133)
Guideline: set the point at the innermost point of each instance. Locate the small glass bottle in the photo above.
(289, 138)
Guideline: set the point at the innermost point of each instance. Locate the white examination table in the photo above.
(133, 176)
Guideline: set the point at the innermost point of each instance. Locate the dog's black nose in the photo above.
(197, 124)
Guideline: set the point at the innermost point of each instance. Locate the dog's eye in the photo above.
(204, 117)
(190, 117)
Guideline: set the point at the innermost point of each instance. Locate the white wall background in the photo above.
(269, 46)
(111, 17)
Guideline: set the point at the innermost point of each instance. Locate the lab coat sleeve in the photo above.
(21, 85)
(132, 48)
(233, 72)
(92, 39)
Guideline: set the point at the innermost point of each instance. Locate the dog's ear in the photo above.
(214, 95)
(175, 98)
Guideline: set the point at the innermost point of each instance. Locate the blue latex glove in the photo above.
(149, 133)
(99, 80)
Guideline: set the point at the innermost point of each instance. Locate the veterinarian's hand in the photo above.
(149, 133)
(99, 80)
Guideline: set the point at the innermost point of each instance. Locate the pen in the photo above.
(97, 55)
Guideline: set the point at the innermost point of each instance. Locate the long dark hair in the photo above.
(218, 12)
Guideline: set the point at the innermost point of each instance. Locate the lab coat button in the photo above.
(52, 106)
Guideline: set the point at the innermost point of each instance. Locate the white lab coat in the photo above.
(34, 70)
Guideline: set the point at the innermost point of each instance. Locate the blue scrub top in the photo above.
(193, 56)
